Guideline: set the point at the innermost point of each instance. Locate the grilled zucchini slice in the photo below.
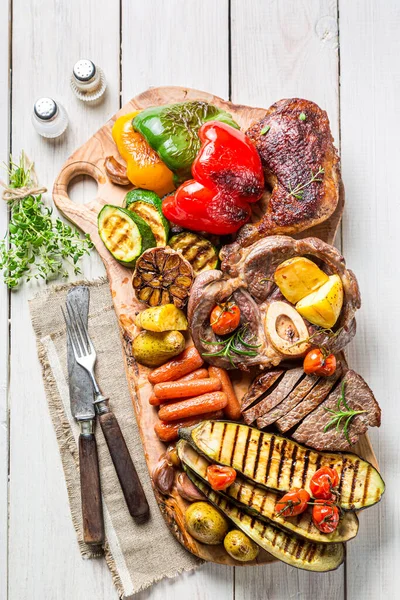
(261, 502)
(148, 205)
(125, 235)
(286, 547)
(280, 464)
(201, 254)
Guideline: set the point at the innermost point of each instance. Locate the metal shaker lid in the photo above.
(84, 70)
(45, 108)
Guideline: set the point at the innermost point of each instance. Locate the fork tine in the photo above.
(84, 331)
(75, 329)
(70, 334)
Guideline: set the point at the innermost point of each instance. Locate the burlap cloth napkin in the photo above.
(137, 555)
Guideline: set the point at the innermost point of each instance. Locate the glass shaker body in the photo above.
(49, 118)
(88, 82)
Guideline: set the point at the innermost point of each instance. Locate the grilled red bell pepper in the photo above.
(227, 176)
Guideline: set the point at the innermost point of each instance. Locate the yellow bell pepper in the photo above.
(145, 169)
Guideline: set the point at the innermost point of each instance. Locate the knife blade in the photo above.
(82, 408)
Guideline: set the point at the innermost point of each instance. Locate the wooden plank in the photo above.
(370, 88)
(281, 50)
(4, 438)
(172, 45)
(44, 557)
(175, 43)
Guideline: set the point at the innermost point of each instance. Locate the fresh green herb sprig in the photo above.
(229, 346)
(265, 130)
(298, 191)
(342, 415)
(36, 246)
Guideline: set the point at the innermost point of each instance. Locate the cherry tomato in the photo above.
(323, 482)
(325, 516)
(293, 503)
(316, 363)
(220, 477)
(225, 318)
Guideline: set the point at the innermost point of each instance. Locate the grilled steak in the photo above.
(295, 396)
(310, 402)
(260, 386)
(358, 396)
(284, 387)
(301, 167)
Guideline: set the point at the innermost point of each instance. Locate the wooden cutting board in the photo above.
(89, 160)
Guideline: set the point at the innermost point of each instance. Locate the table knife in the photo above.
(82, 408)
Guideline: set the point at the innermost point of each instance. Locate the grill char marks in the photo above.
(290, 151)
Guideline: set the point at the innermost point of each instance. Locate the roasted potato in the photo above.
(162, 318)
(323, 306)
(205, 523)
(298, 277)
(154, 349)
(240, 547)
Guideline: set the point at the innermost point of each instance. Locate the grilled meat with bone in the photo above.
(301, 167)
(246, 277)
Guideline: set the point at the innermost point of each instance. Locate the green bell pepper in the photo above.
(171, 131)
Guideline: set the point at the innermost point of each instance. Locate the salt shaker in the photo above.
(49, 118)
(88, 81)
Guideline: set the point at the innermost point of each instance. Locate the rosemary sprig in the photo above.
(342, 415)
(288, 505)
(229, 346)
(329, 332)
(298, 191)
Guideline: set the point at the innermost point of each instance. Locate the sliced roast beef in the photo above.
(310, 402)
(295, 396)
(359, 397)
(260, 386)
(279, 393)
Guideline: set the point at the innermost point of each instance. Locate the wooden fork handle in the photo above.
(127, 475)
(92, 509)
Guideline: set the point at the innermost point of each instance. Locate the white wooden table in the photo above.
(341, 53)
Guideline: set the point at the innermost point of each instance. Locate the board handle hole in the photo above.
(82, 189)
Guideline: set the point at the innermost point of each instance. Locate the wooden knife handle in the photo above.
(92, 508)
(127, 475)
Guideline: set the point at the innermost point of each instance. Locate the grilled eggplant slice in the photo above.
(261, 503)
(280, 464)
(200, 252)
(287, 548)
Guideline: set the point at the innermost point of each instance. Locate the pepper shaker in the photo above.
(49, 118)
(88, 82)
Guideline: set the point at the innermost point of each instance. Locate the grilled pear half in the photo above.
(260, 502)
(279, 464)
(286, 547)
